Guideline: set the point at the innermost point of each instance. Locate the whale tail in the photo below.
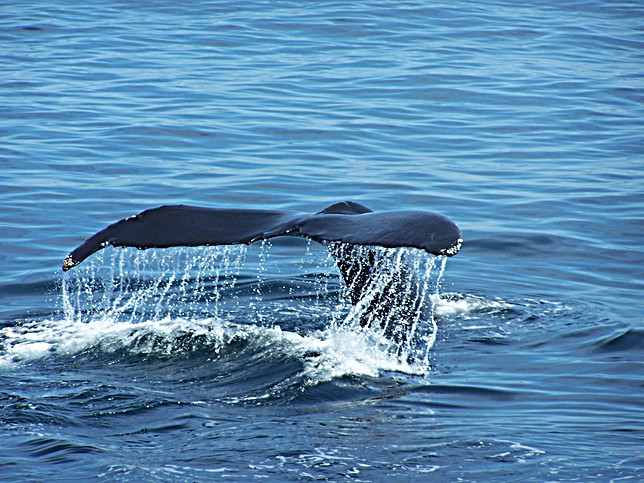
(386, 295)
(346, 222)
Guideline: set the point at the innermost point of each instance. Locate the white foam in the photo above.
(450, 305)
(327, 354)
(341, 351)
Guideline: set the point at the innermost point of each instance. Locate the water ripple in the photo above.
(522, 122)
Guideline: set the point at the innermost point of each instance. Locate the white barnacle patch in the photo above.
(68, 262)
(451, 251)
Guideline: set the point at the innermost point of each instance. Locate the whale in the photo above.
(350, 231)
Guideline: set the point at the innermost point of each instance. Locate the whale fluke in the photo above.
(350, 231)
(346, 222)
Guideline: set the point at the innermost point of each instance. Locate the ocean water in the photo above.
(522, 123)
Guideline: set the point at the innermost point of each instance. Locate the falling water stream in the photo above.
(161, 301)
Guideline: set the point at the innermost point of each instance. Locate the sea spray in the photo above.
(394, 300)
(134, 285)
(166, 301)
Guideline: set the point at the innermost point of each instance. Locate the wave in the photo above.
(326, 354)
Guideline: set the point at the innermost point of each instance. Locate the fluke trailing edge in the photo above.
(347, 222)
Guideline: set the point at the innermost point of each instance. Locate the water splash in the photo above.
(132, 285)
(166, 301)
(393, 299)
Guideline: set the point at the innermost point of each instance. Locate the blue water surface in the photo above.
(521, 122)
